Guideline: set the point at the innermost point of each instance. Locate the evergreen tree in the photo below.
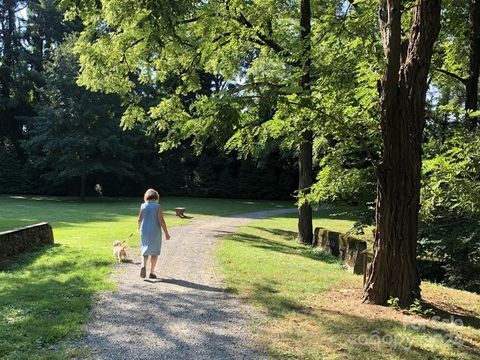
(76, 134)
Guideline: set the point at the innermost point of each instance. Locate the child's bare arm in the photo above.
(163, 224)
(140, 217)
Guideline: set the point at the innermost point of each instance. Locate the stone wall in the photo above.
(352, 252)
(347, 248)
(20, 240)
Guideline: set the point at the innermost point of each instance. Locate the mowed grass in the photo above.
(46, 295)
(313, 307)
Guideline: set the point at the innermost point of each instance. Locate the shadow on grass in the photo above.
(361, 336)
(46, 295)
(454, 313)
(74, 257)
(271, 245)
(20, 261)
(278, 305)
(66, 212)
(39, 313)
(351, 336)
(340, 212)
(291, 235)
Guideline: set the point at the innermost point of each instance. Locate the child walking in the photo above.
(150, 220)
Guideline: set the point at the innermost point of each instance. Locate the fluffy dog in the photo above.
(120, 251)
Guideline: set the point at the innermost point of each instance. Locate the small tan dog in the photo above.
(120, 250)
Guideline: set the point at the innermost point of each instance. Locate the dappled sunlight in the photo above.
(66, 212)
(31, 281)
(274, 244)
(315, 306)
(339, 326)
(77, 266)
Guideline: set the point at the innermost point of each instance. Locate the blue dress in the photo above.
(150, 231)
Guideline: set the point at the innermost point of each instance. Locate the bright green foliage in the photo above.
(451, 62)
(253, 52)
(451, 172)
(451, 209)
(451, 179)
(337, 184)
(226, 74)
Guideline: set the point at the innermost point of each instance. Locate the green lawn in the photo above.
(46, 295)
(313, 306)
(67, 212)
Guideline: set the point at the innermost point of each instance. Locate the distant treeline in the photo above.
(58, 138)
(175, 173)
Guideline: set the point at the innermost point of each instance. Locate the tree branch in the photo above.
(353, 133)
(264, 40)
(354, 4)
(451, 74)
(124, 57)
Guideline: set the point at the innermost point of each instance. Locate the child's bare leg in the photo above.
(153, 263)
(143, 270)
(144, 260)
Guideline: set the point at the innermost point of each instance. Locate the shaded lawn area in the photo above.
(46, 295)
(63, 212)
(313, 306)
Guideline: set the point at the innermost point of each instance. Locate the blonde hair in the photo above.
(151, 194)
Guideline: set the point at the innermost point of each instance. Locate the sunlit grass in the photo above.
(46, 295)
(314, 307)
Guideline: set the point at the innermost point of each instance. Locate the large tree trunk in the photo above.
(402, 90)
(471, 83)
(305, 227)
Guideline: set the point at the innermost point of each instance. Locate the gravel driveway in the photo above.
(185, 314)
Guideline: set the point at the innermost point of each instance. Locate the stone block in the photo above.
(20, 240)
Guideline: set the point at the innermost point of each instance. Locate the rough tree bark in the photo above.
(471, 83)
(305, 178)
(305, 226)
(402, 92)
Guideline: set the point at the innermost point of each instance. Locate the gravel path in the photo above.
(185, 314)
